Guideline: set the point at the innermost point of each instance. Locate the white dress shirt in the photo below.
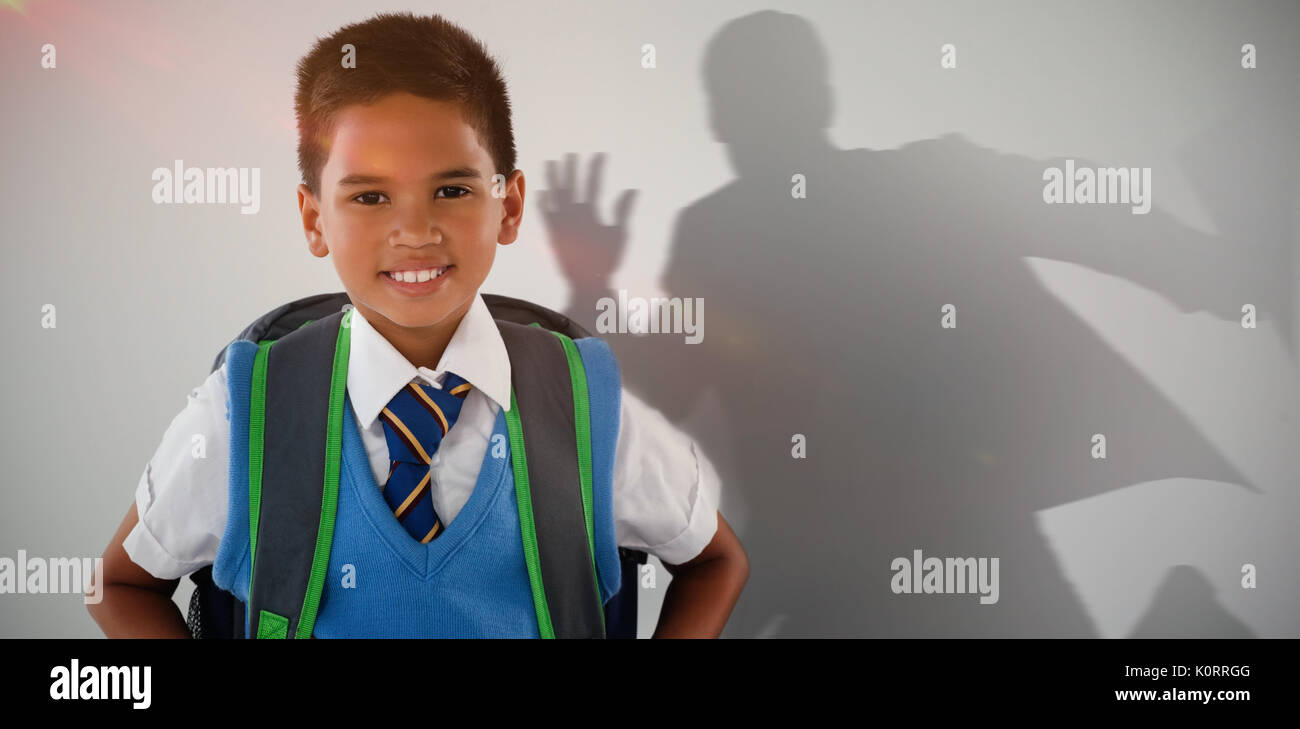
(665, 488)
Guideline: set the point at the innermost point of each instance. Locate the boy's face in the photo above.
(408, 187)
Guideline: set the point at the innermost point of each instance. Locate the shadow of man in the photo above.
(824, 320)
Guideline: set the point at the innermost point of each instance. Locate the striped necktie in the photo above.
(415, 422)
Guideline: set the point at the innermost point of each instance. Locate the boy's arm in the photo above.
(134, 603)
(704, 590)
(665, 496)
(174, 524)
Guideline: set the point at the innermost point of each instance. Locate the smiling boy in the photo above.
(409, 185)
(408, 188)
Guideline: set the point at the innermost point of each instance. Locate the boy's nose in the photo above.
(416, 227)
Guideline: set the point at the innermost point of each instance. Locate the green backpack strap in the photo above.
(550, 448)
(298, 388)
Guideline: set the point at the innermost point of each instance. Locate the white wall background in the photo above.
(147, 294)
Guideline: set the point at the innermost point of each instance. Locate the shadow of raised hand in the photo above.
(588, 251)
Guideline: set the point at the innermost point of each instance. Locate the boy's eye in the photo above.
(370, 195)
(374, 198)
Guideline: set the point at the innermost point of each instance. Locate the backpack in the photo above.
(553, 464)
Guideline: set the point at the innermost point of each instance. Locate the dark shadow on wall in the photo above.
(1186, 606)
(823, 318)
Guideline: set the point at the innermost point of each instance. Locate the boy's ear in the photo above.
(309, 208)
(512, 208)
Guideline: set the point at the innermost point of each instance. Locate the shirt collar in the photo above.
(377, 371)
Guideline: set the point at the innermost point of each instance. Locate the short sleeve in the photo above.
(665, 488)
(181, 498)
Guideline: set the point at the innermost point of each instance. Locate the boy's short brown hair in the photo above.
(423, 55)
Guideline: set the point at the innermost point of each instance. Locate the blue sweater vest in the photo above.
(472, 580)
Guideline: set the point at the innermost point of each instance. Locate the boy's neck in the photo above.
(422, 347)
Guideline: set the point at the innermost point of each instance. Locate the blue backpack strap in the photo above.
(604, 389)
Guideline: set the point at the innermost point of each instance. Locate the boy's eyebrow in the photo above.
(452, 174)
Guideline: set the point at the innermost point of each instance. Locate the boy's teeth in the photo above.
(416, 276)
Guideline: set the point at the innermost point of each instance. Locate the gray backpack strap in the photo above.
(621, 610)
(539, 374)
(298, 377)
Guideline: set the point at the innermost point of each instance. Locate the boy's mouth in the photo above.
(418, 275)
(417, 279)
